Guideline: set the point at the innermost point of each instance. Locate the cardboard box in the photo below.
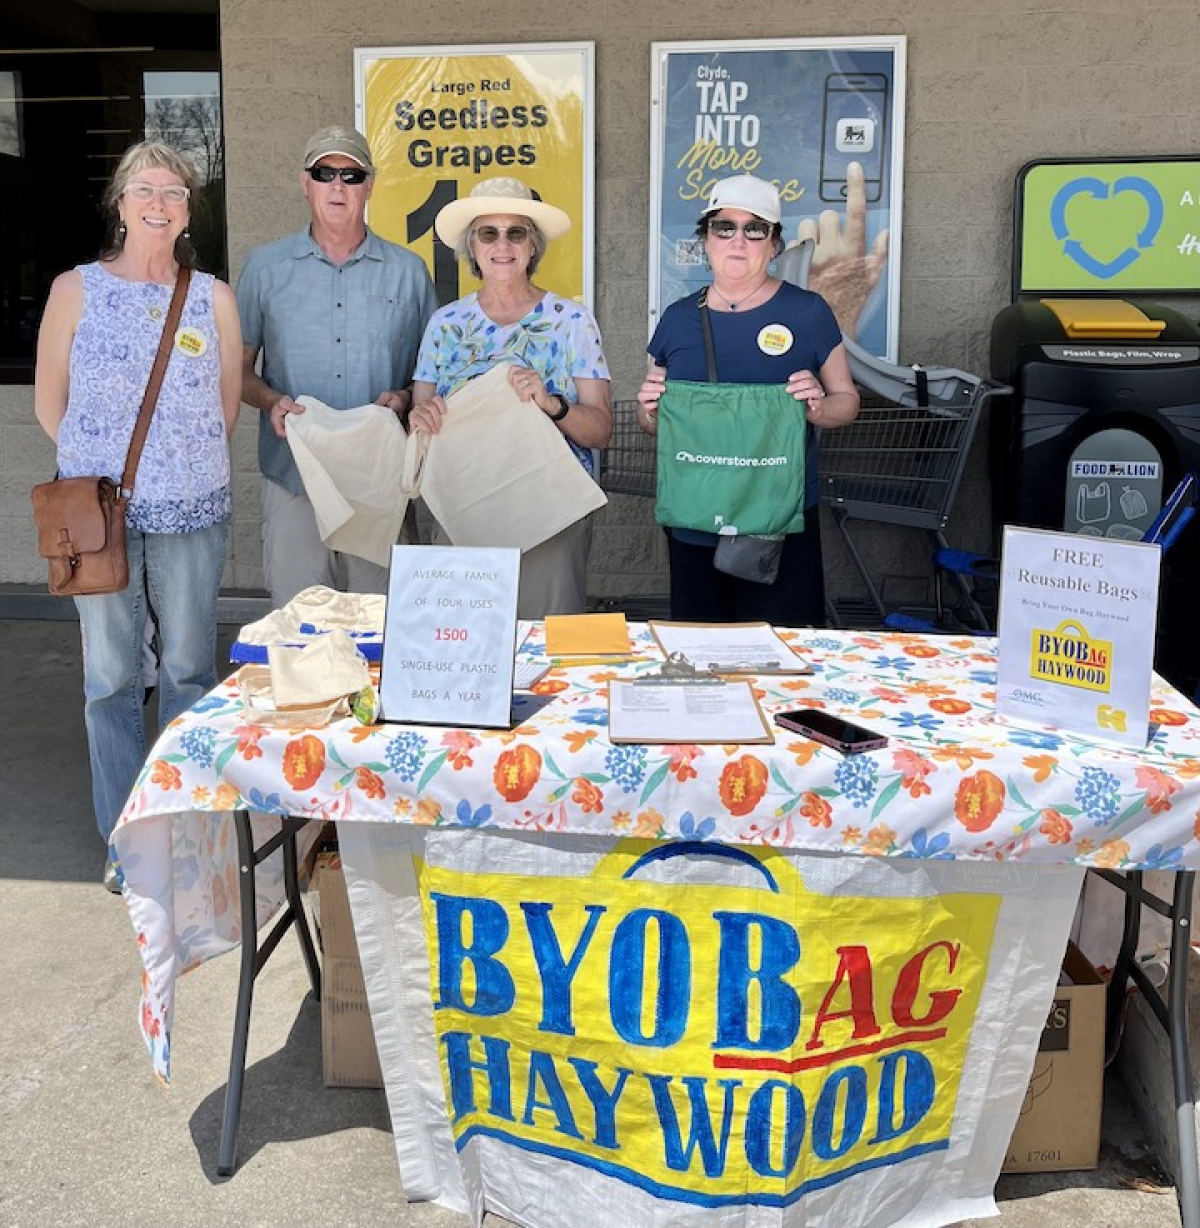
(347, 1037)
(1059, 1126)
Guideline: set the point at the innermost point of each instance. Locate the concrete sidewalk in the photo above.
(91, 1139)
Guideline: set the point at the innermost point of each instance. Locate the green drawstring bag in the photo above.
(730, 458)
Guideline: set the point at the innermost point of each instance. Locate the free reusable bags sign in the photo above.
(440, 119)
(730, 458)
(1076, 640)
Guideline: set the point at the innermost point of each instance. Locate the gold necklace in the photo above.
(745, 297)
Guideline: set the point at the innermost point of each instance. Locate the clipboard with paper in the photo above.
(663, 713)
(729, 648)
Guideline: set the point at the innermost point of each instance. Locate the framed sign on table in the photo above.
(441, 119)
(797, 112)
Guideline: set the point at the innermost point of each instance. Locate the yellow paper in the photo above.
(590, 634)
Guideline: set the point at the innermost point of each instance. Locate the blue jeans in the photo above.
(181, 572)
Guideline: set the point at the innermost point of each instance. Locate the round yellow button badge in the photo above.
(191, 342)
(775, 339)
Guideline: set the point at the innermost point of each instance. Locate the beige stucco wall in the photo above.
(991, 84)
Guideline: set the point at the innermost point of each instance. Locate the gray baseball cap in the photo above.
(338, 140)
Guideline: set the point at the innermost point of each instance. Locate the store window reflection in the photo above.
(71, 102)
(184, 110)
(10, 130)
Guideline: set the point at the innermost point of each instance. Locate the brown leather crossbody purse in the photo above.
(81, 521)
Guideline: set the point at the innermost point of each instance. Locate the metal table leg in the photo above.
(1171, 1012)
(255, 956)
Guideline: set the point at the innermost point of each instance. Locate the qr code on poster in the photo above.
(689, 252)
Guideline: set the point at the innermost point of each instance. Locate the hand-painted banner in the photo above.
(711, 1036)
(636, 1023)
(801, 113)
(440, 119)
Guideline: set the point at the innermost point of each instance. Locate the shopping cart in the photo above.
(900, 462)
(628, 466)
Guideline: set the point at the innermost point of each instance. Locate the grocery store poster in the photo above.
(803, 114)
(440, 119)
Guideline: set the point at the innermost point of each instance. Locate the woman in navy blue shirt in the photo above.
(765, 331)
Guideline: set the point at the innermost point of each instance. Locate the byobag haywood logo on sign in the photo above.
(1067, 653)
(718, 1045)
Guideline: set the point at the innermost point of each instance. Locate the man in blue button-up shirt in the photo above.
(337, 313)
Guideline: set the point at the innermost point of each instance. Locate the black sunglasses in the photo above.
(347, 174)
(726, 228)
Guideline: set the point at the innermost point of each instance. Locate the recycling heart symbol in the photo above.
(1088, 185)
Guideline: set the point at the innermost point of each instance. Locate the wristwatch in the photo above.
(564, 407)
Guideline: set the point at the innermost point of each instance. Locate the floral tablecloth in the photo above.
(953, 783)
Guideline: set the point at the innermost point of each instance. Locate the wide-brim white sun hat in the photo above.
(502, 195)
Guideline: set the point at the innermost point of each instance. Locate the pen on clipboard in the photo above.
(795, 666)
(567, 662)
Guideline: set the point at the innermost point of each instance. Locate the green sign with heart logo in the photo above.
(1115, 227)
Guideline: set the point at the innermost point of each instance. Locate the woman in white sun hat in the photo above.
(501, 231)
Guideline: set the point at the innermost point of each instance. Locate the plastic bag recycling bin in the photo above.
(1103, 421)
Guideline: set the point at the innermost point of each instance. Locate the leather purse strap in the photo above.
(153, 385)
(710, 352)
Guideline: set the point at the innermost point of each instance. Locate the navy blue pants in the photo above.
(701, 593)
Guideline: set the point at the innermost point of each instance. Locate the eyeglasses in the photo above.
(353, 175)
(172, 194)
(488, 235)
(726, 228)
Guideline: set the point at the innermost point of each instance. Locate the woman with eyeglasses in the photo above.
(99, 336)
(501, 231)
(764, 331)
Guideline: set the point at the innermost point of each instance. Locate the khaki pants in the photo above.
(295, 558)
(553, 575)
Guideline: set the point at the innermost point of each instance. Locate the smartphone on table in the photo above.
(830, 730)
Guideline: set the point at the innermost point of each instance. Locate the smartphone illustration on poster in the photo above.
(853, 130)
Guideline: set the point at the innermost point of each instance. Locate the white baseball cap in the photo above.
(747, 192)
